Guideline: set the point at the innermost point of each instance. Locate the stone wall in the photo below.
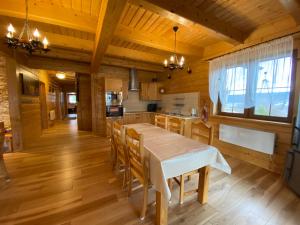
(4, 107)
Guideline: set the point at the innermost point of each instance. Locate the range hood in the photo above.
(133, 80)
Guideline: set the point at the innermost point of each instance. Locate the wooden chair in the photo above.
(175, 125)
(121, 159)
(138, 166)
(202, 132)
(161, 121)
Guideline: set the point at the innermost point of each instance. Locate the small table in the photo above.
(171, 155)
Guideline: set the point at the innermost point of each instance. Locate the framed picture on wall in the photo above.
(29, 85)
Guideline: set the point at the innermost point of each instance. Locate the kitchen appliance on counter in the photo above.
(114, 107)
(151, 107)
(114, 110)
(113, 98)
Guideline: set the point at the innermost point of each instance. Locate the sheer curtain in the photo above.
(254, 77)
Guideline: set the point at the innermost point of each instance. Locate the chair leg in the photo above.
(181, 189)
(145, 202)
(125, 177)
(129, 183)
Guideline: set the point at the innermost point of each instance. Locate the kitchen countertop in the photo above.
(166, 114)
(161, 113)
(180, 116)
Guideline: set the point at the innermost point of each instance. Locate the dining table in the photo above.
(170, 155)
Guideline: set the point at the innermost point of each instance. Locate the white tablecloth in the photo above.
(171, 155)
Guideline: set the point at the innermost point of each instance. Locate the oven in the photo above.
(114, 110)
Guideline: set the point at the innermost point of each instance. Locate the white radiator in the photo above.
(253, 139)
(52, 115)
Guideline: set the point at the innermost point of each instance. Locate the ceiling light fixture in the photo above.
(61, 76)
(32, 43)
(174, 62)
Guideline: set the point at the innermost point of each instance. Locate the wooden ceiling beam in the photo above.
(109, 16)
(64, 41)
(47, 13)
(127, 63)
(46, 63)
(153, 41)
(134, 54)
(184, 13)
(293, 8)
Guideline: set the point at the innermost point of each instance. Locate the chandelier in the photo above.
(30, 43)
(174, 62)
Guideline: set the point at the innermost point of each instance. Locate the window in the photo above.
(273, 90)
(236, 84)
(72, 99)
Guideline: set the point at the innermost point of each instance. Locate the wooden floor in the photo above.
(66, 178)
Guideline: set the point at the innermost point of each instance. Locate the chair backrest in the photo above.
(117, 140)
(175, 125)
(202, 132)
(135, 151)
(161, 121)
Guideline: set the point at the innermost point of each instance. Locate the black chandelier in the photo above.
(30, 43)
(174, 62)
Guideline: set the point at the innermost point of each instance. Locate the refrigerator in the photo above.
(292, 168)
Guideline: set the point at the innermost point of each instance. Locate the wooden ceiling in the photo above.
(96, 31)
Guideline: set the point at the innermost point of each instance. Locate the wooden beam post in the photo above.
(110, 13)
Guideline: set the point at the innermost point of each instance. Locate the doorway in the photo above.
(43, 106)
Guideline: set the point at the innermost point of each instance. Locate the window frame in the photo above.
(249, 113)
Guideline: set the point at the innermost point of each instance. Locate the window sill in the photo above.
(249, 120)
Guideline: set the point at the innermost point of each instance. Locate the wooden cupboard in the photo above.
(150, 91)
(125, 89)
(138, 117)
(113, 85)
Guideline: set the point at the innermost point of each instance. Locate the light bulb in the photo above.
(9, 35)
(45, 42)
(60, 76)
(36, 33)
(166, 63)
(10, 28)
(182, 59)
(172, 59)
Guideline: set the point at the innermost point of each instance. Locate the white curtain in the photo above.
(243, 77)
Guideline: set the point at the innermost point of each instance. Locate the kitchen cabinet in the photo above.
(138, 117)
(125, 89)
(150, 91)
(113, 84)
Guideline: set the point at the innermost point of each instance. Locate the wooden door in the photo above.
(125, 89)
(144, 91)
(43, 106)
(84, 102)
(113, 85)
(153, 91)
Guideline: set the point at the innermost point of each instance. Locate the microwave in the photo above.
(114, 110)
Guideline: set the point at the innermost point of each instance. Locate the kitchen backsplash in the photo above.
(133, 103)
(180, 103)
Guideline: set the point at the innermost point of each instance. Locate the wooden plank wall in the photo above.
(84, 105)
(198, 81)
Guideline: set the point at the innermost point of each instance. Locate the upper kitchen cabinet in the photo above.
(125, 89)
(150, 91)
(113, 85)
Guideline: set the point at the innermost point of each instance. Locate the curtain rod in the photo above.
(253, 45)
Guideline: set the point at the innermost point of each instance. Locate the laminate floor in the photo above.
(65, 178)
